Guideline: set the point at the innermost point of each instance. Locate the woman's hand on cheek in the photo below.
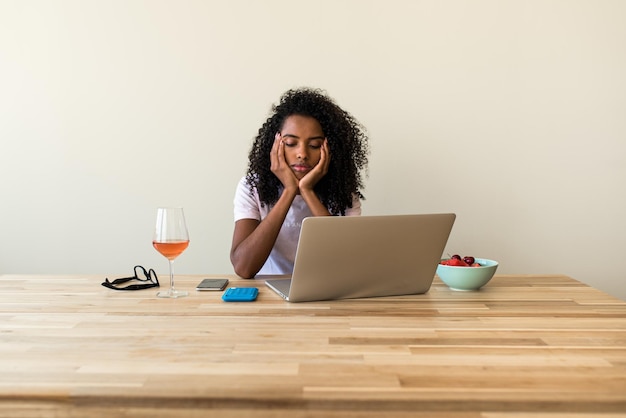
(279, 166)
(320, 170)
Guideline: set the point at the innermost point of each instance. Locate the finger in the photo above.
(325, 155)
(277, 140)
(281, 150)
(274, 160)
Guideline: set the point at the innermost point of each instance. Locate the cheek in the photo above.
(316, 155)
(290, 154)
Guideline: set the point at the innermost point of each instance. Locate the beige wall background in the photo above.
(511, 114)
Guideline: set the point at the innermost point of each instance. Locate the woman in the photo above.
(305, 161)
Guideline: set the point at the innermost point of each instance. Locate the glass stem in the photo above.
(171, 276)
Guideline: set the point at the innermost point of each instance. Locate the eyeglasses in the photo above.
(140, 275)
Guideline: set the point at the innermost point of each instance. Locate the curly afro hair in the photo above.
(347, 141)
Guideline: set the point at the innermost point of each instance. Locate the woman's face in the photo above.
(303, 138)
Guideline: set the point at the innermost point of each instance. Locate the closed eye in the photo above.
(314, 144)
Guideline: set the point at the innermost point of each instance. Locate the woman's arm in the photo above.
(253, 240)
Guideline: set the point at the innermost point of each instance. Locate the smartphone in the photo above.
(212, 284)
(240, 294)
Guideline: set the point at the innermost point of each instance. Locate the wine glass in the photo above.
(171, 239)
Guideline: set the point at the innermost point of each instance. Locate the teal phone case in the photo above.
(240, 294)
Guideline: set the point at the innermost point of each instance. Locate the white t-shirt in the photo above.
(280, 260)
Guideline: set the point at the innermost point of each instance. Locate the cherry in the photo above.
(458, 261)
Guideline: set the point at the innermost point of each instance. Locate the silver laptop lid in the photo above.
(341, 257)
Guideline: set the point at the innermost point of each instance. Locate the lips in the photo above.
(301, 168)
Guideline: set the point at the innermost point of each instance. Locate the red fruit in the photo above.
(444, 262)
(456, 257)
(457, 262)
(476, 265)
(469, 259)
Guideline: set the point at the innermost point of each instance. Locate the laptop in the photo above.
(343, 257)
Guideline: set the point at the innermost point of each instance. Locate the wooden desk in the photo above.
(541, 345)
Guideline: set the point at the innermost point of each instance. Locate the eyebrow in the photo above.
(319, 137)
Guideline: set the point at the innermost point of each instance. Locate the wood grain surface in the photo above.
(524, 345)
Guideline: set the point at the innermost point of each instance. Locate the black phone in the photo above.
(212, 284)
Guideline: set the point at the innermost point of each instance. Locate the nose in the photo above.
(302, 152)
